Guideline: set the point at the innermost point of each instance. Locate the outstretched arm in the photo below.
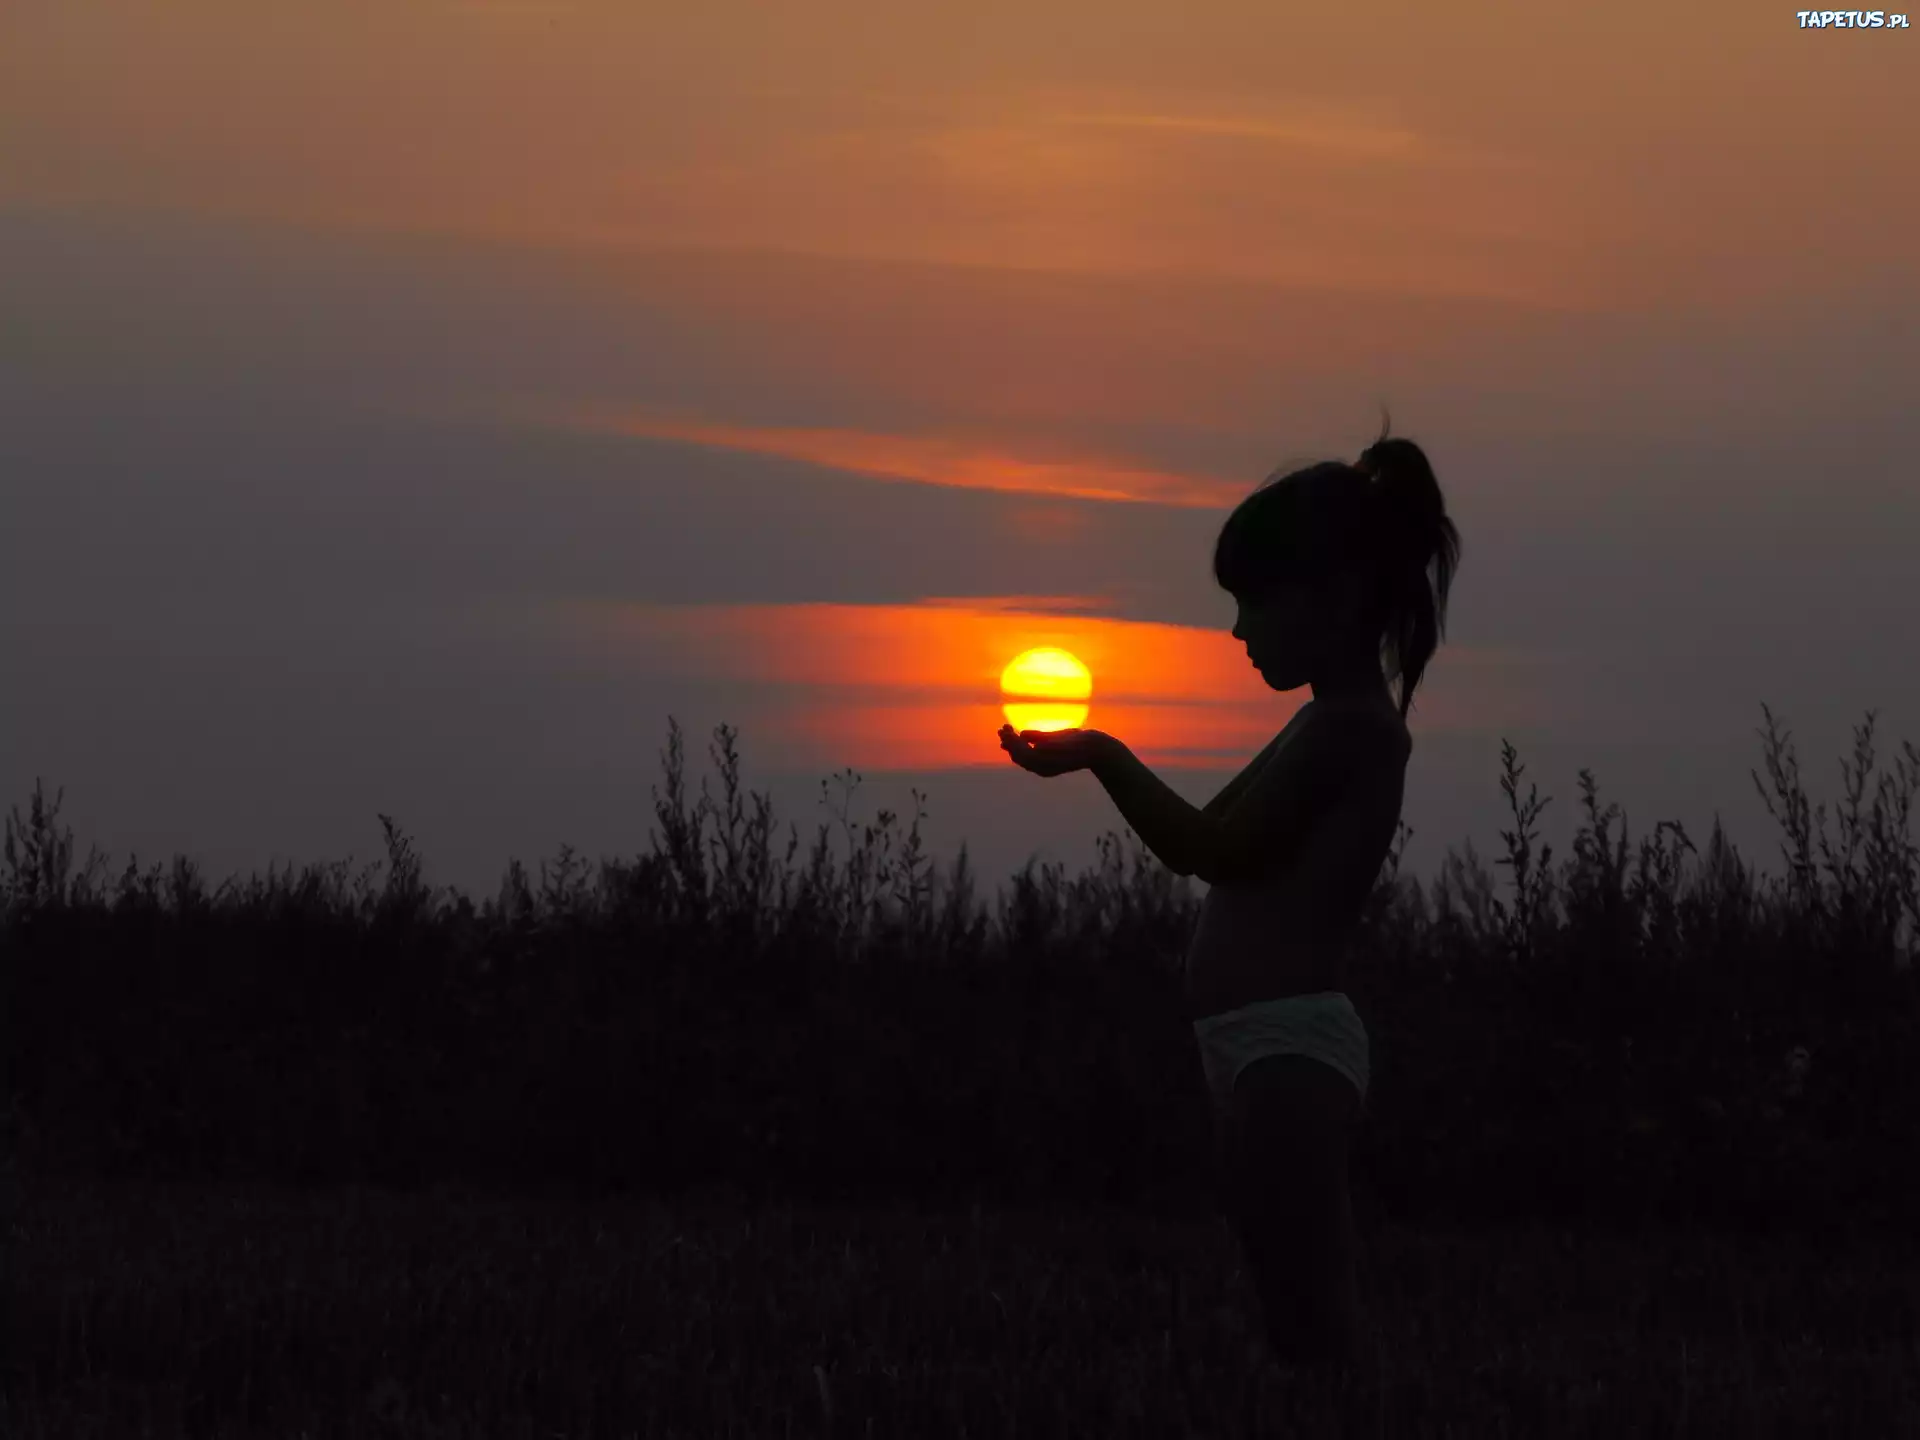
(1282, 800)
(1166, 823)
(1218, 805)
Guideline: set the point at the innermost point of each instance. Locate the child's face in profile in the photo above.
(1292, 633)
(1273, 630)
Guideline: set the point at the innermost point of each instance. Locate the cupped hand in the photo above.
(1054, 752)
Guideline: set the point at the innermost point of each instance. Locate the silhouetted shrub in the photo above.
(1636, 1033)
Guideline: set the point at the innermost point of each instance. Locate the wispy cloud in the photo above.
(928, 460)
(528, 9)
(1349, 136)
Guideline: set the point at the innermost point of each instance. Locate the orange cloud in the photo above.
(1347, 136)
(918, 686)
(908, 686)
(931, 460)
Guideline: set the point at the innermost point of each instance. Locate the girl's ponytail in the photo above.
(1415, 535)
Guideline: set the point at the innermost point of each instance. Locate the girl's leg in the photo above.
(1291, 1131)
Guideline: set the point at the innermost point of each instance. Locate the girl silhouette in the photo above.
(1329, 567)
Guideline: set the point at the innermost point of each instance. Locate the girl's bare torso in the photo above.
(1288, 934)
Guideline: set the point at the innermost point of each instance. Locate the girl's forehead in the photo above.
(1280, 592)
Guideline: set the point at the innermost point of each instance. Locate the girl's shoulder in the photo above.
(1363, 723)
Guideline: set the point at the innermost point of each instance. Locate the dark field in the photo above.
(1641, 1157)
(175, 1310)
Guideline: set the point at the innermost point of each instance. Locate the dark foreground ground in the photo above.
(176, 1310)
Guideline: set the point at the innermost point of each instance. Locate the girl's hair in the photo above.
(1382, 517)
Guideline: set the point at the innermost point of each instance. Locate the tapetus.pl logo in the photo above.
(1851, 20)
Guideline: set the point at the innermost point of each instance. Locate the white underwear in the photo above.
(1324, 1025)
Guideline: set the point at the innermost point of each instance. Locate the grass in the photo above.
(328, 1024)
(1856, 897)
(208, 1310)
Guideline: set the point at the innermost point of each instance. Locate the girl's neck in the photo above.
(1366, 684)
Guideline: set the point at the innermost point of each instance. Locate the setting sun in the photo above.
(1046, 689)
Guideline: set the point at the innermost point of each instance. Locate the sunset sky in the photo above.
(407, 407)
